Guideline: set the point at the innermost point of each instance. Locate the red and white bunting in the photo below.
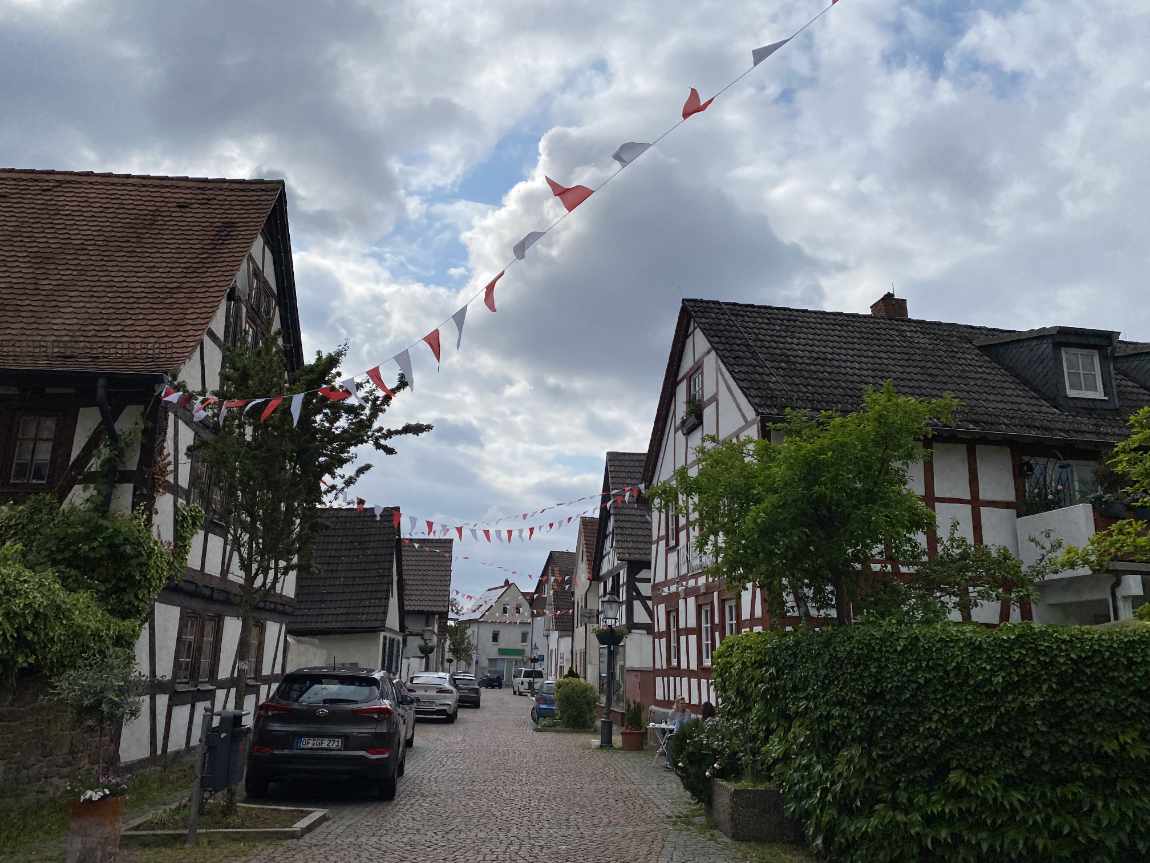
(693, 106)
(432, 340)
(570, 196)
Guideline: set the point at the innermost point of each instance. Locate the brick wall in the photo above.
(42, 749)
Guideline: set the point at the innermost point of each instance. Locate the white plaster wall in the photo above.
(999, 527)
(179, 727)
(271, 639)
(915, 479)
(951, 512)
(228, 644)
(951, 475)
(995, 473)
(135, 739)
(362, 648)
(86, 421)
(1074, 524)
(167, 628)
(213, 563)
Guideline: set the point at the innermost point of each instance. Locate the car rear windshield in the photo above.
(321, 689)
(548, 687)
(527, 672)
(429, 678)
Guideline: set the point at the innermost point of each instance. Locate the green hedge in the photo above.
(576, 702)
(953, 742)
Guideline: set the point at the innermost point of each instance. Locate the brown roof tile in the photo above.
(427, 575)
(117, 272)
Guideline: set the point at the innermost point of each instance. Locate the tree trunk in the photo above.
(843, 613)
(964, 603)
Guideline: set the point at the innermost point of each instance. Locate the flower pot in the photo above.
(752, 813)
(94, 833)
(632, 739)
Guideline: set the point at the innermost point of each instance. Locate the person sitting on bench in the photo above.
(679, 717)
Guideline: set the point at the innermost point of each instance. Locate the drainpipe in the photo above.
(1114, 596)
(114, 436)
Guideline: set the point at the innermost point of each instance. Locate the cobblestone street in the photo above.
(488, 790)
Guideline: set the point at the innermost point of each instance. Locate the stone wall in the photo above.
(42, 749)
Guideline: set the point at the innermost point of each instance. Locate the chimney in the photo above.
(889, 306)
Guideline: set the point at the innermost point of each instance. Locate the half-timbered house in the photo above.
(622, 564)
(1039, 410)
(586, 594)
(109, 285)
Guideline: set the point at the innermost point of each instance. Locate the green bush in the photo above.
(952, 742)
(702, 750)
(576, 702)
(46, 627)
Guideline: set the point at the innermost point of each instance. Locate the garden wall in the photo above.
(40, 749)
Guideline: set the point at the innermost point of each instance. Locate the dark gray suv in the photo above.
(329, 723)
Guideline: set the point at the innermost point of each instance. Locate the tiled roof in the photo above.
(562, 565)
(348, 586)
(426, 575)
(817, 360)
(115, 272)
(588, 532)
(631, 522)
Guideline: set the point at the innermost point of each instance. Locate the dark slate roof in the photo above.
(117, 272)
(427, 575)
(631, 526)
(561, 564)
(817, 360)
(588, 532)
(348, 586)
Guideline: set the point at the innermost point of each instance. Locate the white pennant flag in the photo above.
(459, 317)
(411, 519)
(629, 152)
(761, 54)
(349, 385)
(526, 243)
(403, 360)
(253, 403)
(474, 535)
(521, 534)
(173, 397)
(378, 512)
(499, 536)
(296, 406)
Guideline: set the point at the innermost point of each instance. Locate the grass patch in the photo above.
(32, 830)
(206, 850)
(215, 817)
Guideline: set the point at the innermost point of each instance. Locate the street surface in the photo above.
(488, 789)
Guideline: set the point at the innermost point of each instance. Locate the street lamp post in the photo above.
(609, 607)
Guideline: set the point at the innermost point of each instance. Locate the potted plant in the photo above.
(634, 731)
(103, 692)
(692, 417)
(610, 635)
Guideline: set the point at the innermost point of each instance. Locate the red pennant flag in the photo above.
(359, 504)
(459, 533)
(334, 394)
(489, 292)
(551, 525)
(396, 517)
(618, 500)
(509, 536)
(432, 340)
(235, 403)
(167, 392)
(430, 527)
(571, 196)
(530, 533)
(377, 379)
(693, 106)
(271, 408)
(487, 535)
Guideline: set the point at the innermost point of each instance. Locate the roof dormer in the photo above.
(1071, 367)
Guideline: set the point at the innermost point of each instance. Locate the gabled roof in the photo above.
(559, 569)
(630, 522)
(816, 360)
(347, 588)
(116, 272)
(427, 575)
(588, 532)
(486, 600)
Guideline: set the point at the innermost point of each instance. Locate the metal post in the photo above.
(606, 727)
(197, 786)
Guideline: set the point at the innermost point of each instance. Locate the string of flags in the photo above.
(570, 197)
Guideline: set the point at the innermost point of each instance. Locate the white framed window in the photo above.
(1083, 373)
(695, 387)
(673, 637)
(505, 611)
(706, 631)
(495, 636)
(730, 617)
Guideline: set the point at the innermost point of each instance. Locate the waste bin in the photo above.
(225, 751)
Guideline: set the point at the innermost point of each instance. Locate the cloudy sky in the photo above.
(987, 159)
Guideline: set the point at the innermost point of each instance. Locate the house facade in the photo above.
(350, 597)
(111, 285)
(586, 595)
(499, 622)
(622, 563)
(426, 603)
(1039, 410)
(559, 612)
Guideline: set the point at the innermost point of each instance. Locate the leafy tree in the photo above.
(808, 515)
(459, 644)
(270, 479)
(1128, 539)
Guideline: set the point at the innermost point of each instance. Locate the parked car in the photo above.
(406, 703)
(329, 722)
(435, 696)
(468, 688)
(492, 680)
(526, 680)
(544, 706)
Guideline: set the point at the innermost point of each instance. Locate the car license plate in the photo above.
(319, 743)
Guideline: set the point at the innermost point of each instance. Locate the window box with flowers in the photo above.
(692, 416)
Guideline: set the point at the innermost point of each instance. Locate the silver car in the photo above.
(435, 696)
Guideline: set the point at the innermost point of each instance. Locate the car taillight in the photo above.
(445, 690)
(378, 750)
(269, 708)
(376, 711)
(263, 750)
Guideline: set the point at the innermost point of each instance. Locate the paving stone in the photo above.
(488, 789)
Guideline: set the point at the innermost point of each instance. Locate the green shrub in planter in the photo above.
(701, 751)
(576, 701)
(954, 742)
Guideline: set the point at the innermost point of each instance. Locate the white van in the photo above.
(526, 680)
